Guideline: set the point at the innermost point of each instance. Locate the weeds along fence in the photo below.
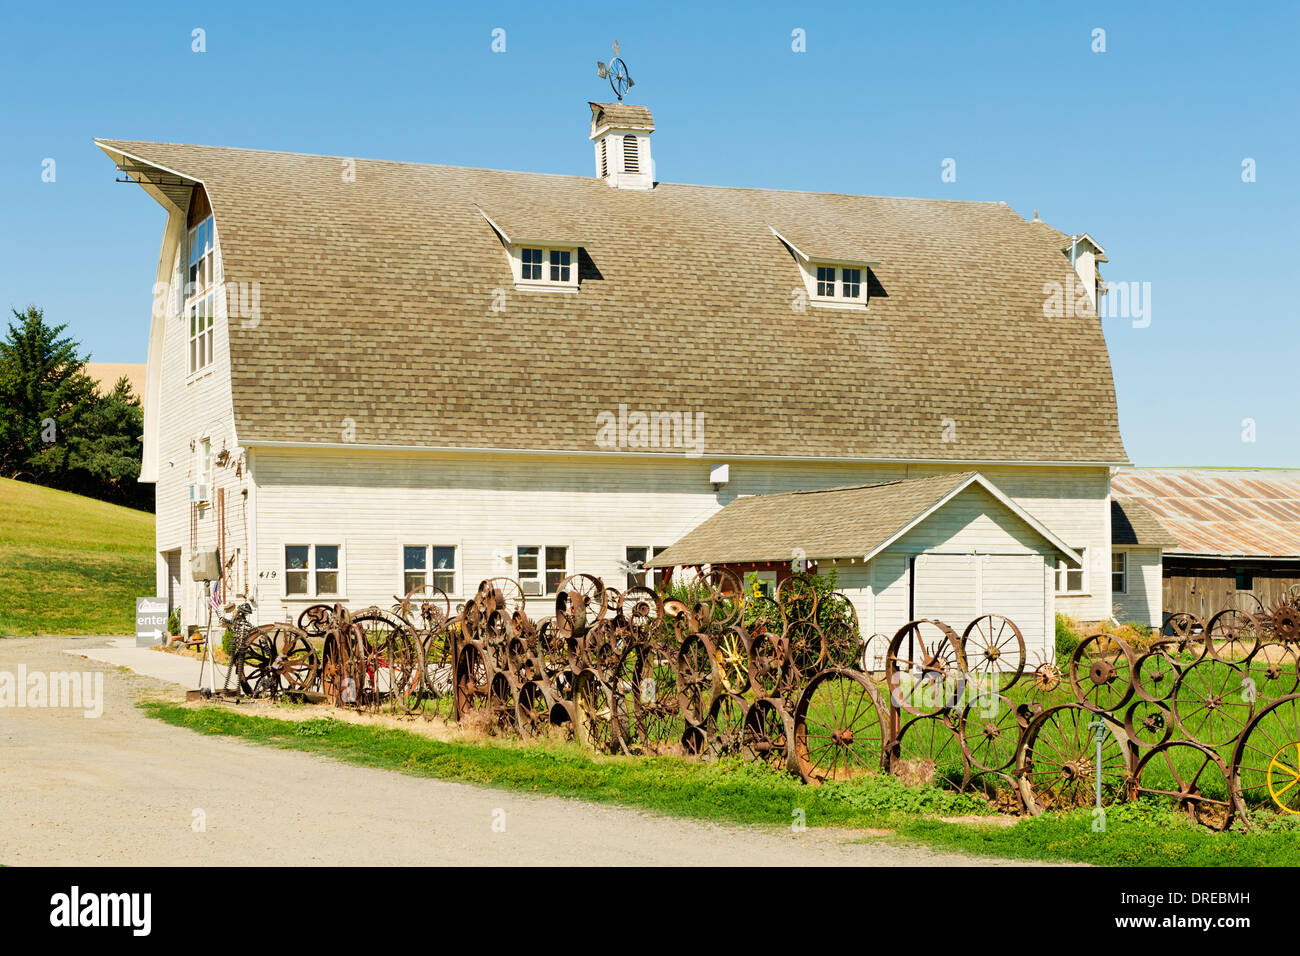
(1206, 718)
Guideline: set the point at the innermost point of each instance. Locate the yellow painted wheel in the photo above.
(1284, 778)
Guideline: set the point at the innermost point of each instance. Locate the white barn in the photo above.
(364, 374)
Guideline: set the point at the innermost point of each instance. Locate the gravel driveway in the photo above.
(124, 790)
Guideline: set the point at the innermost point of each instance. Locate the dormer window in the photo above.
(532, 265)
(840, 285)
(545, 268)
(560, 265)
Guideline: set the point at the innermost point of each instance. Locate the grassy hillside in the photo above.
(70, 565)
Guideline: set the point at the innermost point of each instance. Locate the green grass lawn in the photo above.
(70, 564)
(1141, 834)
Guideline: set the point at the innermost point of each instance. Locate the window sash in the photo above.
(1072, 580)
(531, 264)
(643, 553)
(826, 281)
(312, 570)
(429, 564)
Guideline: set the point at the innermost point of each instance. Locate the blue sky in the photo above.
(1141, 146)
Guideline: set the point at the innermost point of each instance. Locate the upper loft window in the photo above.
(841, 284)
(200, 292)
(631, 161)
(544, 268)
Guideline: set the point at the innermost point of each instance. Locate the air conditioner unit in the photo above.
(200, 494)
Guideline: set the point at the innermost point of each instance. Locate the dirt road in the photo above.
(126, 790)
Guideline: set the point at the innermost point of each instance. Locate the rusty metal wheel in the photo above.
(334, 671)
(1193, 776)
(1274, 671)
(1266, 760)
(995, 652)
(990, 728)
(579, 595)
(1149, 723)
(1156, 672)
(798, 597)
(725, 725)
(564, 722)
(597, 714)
(391, 665)
(694, 740)
(1232, 636)
(1101, 673)
(928, 751)
(640, 607)
(1285, 621)
(502, 716)
(657, 721)
(695, 662)
(424, 608)
(315, 620)
(503, 594)
(770, 671)
(807, 647)
(1188, 636)
(1057, 762)
(533, 710)
(279, 657)
(839, 727)
(768, 735)
(473, 678)
(925, 667)
(1212, 702)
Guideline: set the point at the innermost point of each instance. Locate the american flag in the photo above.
(213, 601)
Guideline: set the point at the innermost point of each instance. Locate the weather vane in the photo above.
(620, 80)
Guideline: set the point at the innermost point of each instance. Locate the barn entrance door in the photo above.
(946, 587)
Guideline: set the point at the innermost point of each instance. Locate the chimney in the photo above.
(620, 133)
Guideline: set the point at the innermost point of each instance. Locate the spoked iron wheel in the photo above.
(695, 663)
(925, 667)
(990, 728)
(1212, 702)
(333, 671)
(768, 734)
(995, 652)
(533, 711)
(1057, 763)
(731, 652)
(1194, 777)
(1266, 761)
(471, 689)
(807, 647)
(770, 672)
(1187, 637)
(928, 751)
(725, 726)
(279, 658)
(839, 728)
(594, 711)
(391, 675)
(501, 706)
(656, 703)
(1274, 670)
(1149, 724)
(1156, 672)
(1232, 636)
(1101, 673)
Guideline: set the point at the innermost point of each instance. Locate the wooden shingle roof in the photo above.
(854, 521)
(1132, 525)
(389, 300)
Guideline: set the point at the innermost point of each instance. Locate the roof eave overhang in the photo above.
(165, 194)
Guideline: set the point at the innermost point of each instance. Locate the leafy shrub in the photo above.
(1067, 636)
(228, 642)
(174, 621)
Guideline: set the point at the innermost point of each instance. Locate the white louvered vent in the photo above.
(604, 158)
(631, 164)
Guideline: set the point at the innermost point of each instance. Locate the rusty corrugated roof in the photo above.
(1229, 513)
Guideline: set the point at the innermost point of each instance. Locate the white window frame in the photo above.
(1123, 571)
(203, 469)
(199, 299)
(545, 283)
(836, 297)
(541, 566)
(1061, 575)
(313, 591)
(428, 564)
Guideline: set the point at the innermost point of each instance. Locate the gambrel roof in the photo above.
(389, 300)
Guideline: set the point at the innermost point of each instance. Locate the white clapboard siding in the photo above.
(1143, 602)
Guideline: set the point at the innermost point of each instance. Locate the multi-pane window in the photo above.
(1070, 580)
(532, 264)
(203, 465)
(1119, 572)
(851, 283)
(640, 579)
(200, 293)
(560, 265)
(541, 569)
(826, 280)
(311, 570)
(429, 564)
